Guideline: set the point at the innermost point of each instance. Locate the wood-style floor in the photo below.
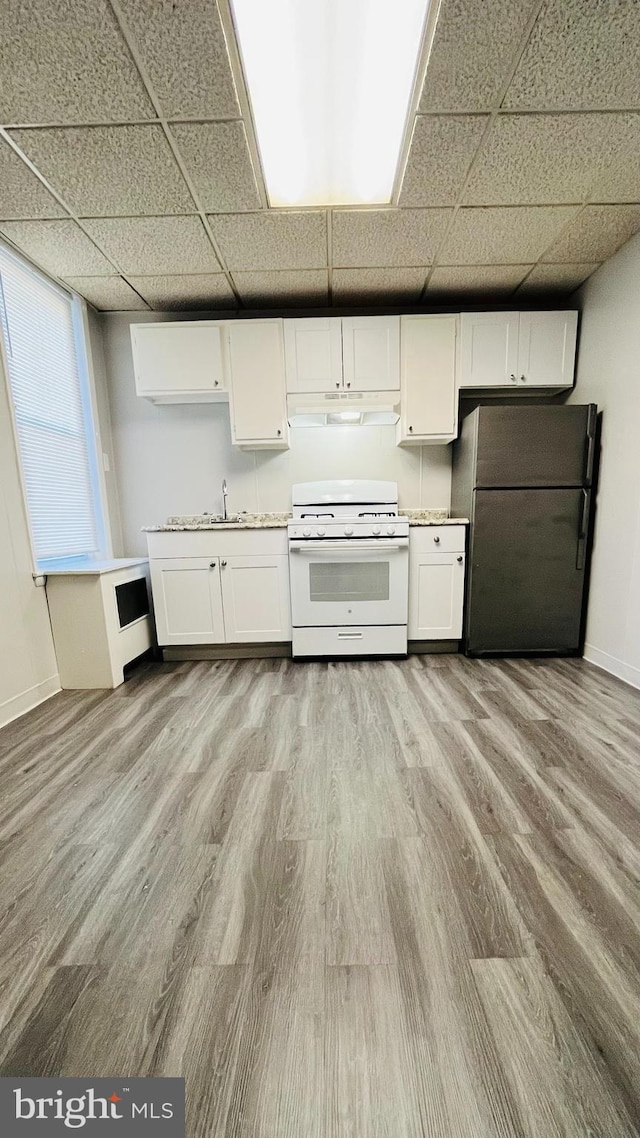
(346, 900)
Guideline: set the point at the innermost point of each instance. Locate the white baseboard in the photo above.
(16, 706)
(626, 672)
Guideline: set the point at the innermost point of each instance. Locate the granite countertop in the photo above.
(180, 522)
(432, 518)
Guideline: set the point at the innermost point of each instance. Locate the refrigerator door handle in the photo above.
(591, 446)
(582, 533)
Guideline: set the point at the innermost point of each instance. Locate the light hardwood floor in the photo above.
(346, 900)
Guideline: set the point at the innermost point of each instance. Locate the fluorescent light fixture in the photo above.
(330, 83)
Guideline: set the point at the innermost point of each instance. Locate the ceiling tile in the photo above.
(564, 278)
(534, 159)
(183, 48)
(197, 291)
(503, 235)
(477, 279)
(107, 293)
(308, 286)
(596, 234)
(109, 170)
(67, 62)
(617, 178)
(473, 45)
(377, 285)
(380, 237)
(157, 246)
(216, 156)
(277, 240)
(21, 193)
(442, 147)
(60, 247)
(581, 54)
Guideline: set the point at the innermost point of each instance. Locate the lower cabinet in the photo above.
(229, 595)
(436, 582)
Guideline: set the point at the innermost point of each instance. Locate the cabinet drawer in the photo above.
(386, 640)
(437, 539)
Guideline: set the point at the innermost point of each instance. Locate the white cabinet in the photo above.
(371, 353)
(187, 599)
(255, 597)
(257, 388)
(179, 362)
(220, 587)
(516, 350)
(428, 395)
(313, 351)
(436, 582)
(547, 348)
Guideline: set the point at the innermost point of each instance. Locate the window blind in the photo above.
(46, 388)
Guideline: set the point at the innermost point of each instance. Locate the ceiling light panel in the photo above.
(330, 84)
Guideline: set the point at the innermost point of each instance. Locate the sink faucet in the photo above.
(224, 499)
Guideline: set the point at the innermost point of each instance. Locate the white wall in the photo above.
(609, 375)
(28, 668)
(172, 459)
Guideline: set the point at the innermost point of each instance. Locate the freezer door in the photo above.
(547, 445)
(527, 571)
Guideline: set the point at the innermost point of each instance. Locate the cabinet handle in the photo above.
(410, 430)
(337, 384)
(215, 383)
(223, 564)
(212, 564)
(459, 560)
(523, 379)
(513, 378)
(437, 540)
(278, 432)
(349, 384)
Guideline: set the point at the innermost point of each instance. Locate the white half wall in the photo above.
(609, 374)
(172, 459)
(28, 668)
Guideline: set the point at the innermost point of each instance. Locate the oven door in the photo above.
(349, 582)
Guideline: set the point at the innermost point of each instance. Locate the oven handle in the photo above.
(350, 547)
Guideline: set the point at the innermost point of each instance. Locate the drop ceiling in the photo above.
(129, 168)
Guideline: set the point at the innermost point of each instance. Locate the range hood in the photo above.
(359, 408)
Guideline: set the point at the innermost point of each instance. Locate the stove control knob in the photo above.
(348, 531)
(391, 529)
(376, 531)
(306, 533)
(321, 531)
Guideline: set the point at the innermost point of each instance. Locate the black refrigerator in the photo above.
(523, 475)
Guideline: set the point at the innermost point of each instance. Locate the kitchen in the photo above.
(326, 881)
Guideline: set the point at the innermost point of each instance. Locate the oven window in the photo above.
(349, 581)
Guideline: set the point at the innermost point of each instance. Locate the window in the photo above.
(43, 341)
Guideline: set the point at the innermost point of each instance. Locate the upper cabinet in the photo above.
(257, 390)
(349, 353)
(517, 350)
(428, 396)
(179, 362)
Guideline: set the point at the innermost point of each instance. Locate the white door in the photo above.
(428, 374)
(187, 600)
(313, 353)
(371, 353)
(175, 359)
(436, 593)
(488, 349)
(257, 382)
(547, 348)
(255, 594)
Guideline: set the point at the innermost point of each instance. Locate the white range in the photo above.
(349, 568)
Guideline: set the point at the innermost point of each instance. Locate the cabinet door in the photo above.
(188, 601)
(178, 362)
(371, 353)
(428, 378)
(313, 352)
(255, 592)
(257, 383)
(547, 348)
(436, 594)
(488, 349)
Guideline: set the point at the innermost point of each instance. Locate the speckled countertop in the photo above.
(214, 521)
(432, 518)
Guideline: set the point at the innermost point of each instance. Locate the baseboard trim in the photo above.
(611, 664)
(19, 704)
(175, 652)
(432, 647)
